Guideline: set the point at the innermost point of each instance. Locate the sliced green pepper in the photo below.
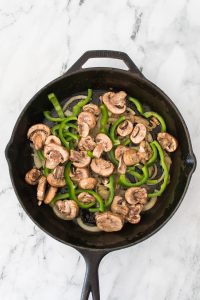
(154, 155)
(49, 117)
(61, 128)
(54, 129)
(137, 104)
(104, 119)
(40, 155)
(96, 196)
(113, 137)
(70, 185)
(125, 182)
(112, 158)
(77, 108)
(111, 188)
(149, 114)
(56, 104)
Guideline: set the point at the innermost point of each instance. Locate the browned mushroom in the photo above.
(132, 218)
(109, 221)
(119, 151)
(102, 167)
(86, 198)
(131, 157)
(103, 144)
(32, 176)
(86, 121)
(135, 195)
(92, 108)
(167, 141)
(125, 128)
(138, 134)
(83, 129)
(54, 155)
(50, 194)
(115, 102)
(79, 159)
(38, 134)
(66, 209)
(56, 178)
(140, 120)
(87, 183)
(41, 188)
(119, 206)
(52, 139)
(86, 143)
(77, 174)
(144, 152)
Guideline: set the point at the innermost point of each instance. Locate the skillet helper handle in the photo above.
(77, 66)
(91, 281)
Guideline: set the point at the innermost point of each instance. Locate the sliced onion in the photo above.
(155, 172)
(68, 113)
(157, 180)
(37, 161)
(87, 227)
(78, 97)
(150, 204)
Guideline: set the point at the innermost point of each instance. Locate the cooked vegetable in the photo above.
(104, 119)
(149, 114)
(80, 104)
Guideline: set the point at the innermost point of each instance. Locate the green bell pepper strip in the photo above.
(104, 119)
(101, 207)
(111, 188)
(154, 155)
(49, 117)
(71, 135)
(54, 129)
(70, 125)
(114, 139)
(40, 155)
(112, 158)
(46, 171)
(61, 128)
(90, 154)
(131, 171)
(137, 104)
(149, 114)
(69, 183)
(165, 171)
(125, 182)
(56, 104)
(77, 108)
(126, 142)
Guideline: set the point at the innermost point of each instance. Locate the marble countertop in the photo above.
(39, 41)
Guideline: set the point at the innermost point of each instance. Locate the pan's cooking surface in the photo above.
(99, 80)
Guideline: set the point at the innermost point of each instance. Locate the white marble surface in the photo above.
(39, 40)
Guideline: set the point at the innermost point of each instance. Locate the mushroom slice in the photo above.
(80, 159)
(102, 167)
(119, 151)
(56, 178)
(83, 129)
(115, 102)
(78, 174)
(132, 218)
(88, 183)
(50, 194)
(52, 139)
(144, 152)
(92, 108)
(88, 118)
(86, 198)
(41, 189)
(138, 134)
(109, 221)
(131, 157)
(32, 176)
(66, 209)
(38, 134)
(103, 143)
(167, 141)
(86, 143)
(125, 128)
(54, 155)
(119, 206)
(135, 195)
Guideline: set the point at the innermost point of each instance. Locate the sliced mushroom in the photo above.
(144, 152)
(86, 198)
(66, 209)
(50, 194)
(84, 118)
(119, 151)
(88, 183)
(32, 176)
(167, 141)
(135, 195)
(131, 157)
(77, 174)
(102, 167)
(92, 108)
(140, 120)
(38, 134)
(56, 178)
(115, 102)
(83, 129)
(138, 134)
(132, 218)
(41, 188)
(52, 139)
(80, 159)
(109, 221)
(103, 144)
(119, 206)
(86, 143)
(54, 155)
(125, 128)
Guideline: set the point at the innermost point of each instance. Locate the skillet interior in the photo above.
(20, 161)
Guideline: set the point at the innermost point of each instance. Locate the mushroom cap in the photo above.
(79, 159)
(83, 129)
(52, 139)
(87, 183)
(86, 198)
(78, 174)
(167, 141)
(92, 108)
(109, 221)
(138, 134)
(131, 157)
(119, 206)
(88, 118)
(135, 195)
(32, 176)
(55, 154)
(41, 188)
(86, 143)
(132, 218)
(115, 102)
(38, 134)
(119, 151)
(38, 127)
(50, 194)
(66, 209)
(103, 143)
(144, 152)
(56, 182)
(125, 128)
(102, 167)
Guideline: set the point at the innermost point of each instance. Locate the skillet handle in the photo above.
(77, 66)
(91, 281)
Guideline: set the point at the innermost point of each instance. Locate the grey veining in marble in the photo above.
(39, 40)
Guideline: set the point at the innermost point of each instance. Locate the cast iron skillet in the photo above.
(94, 246)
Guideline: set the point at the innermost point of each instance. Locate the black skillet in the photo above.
(94, 246)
